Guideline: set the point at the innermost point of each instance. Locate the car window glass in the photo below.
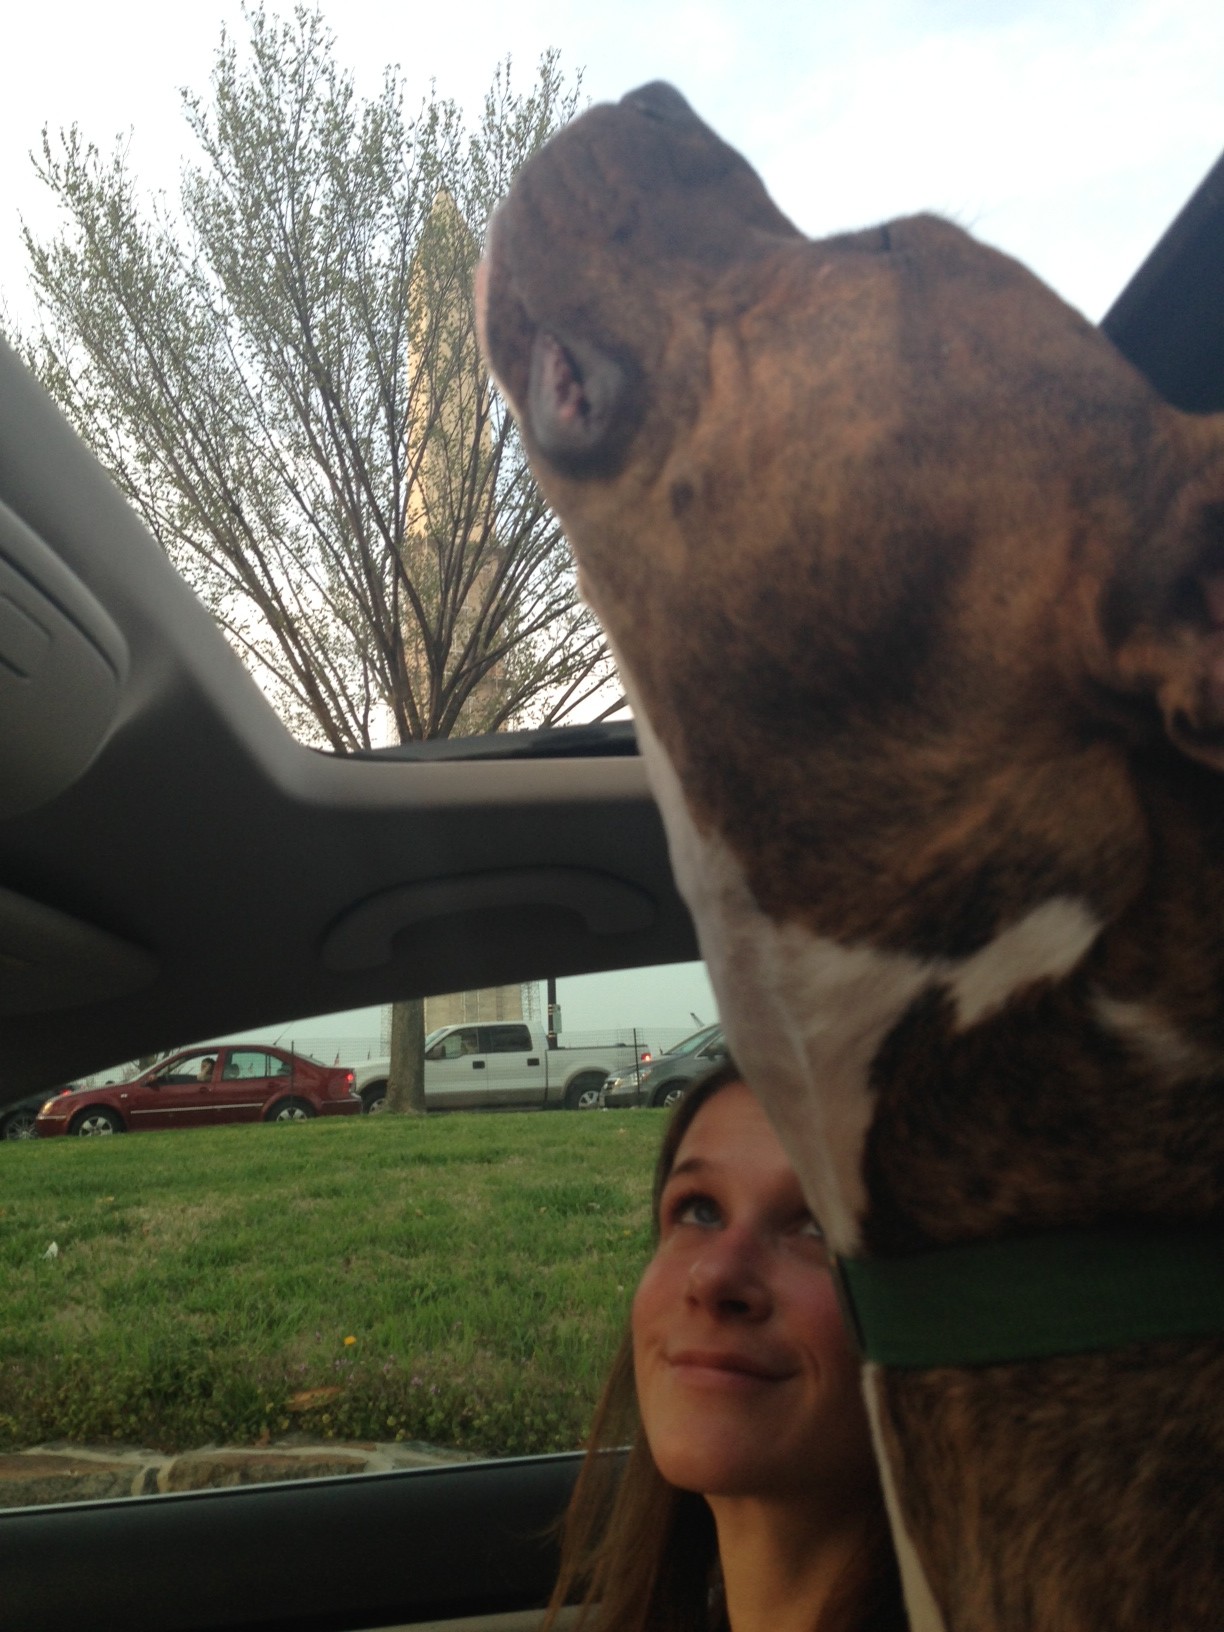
(505, 1039)
(243, 1063)
(456, 1044)
(359, 1291)
(189, 1068)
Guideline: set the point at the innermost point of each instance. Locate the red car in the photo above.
(243, 1082)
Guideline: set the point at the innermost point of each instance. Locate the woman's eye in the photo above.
(698, 1210)
(810, 1228)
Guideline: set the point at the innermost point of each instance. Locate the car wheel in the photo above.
(290, 1110)
(583, 1093)
(671, 1093)
(374, 1098)
(21, 1125)
(90, 1124)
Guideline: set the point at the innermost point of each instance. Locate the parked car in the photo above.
(204, 1087)
(137, 910)
(17, 1119)
(506, 1063)
(670, 1074)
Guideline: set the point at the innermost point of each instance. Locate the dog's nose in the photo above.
(661, 101)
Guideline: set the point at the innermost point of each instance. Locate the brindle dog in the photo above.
(918, 590)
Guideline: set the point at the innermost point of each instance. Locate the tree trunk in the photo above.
(406, 1076)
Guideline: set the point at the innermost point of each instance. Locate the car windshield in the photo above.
(690, 1045)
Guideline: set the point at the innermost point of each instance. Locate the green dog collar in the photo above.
(1068, 1291)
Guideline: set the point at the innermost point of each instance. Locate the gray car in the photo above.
(670, 1074)
(17, 1118)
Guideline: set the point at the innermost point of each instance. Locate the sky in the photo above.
(1066, 132)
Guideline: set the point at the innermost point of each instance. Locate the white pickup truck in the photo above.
(505, 1062)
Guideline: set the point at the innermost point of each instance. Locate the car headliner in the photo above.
(199, 872)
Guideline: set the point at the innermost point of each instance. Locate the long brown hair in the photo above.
(640, 1555)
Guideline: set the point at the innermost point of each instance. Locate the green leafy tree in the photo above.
(281, 373)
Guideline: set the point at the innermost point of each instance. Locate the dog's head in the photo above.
(901, 556)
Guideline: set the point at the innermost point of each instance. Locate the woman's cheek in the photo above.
(841, 1367)
(826, 1336)
(649, 1301)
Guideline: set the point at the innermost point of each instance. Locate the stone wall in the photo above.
(76, 1473)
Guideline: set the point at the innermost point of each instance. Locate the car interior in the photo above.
(426, 869)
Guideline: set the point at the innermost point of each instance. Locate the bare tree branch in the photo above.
(283, 377)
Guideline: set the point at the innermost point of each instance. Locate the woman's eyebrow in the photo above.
(691, 1164)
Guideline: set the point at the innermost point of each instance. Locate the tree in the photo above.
(282, 375)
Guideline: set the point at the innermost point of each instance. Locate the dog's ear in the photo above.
(1166, 607)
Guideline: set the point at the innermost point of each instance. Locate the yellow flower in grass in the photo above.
(349, 1341)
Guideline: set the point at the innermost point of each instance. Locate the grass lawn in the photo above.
(460, 1280)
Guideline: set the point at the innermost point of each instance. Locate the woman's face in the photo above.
(746, 1381)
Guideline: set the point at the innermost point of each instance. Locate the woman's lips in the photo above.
(718, 1366)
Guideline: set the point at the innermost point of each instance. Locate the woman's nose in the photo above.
(728, 1277)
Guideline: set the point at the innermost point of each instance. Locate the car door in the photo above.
(176, 1094)
(248, 1079)
(456, 1072)
(516, 1071)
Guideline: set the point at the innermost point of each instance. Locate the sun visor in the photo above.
(62, 666)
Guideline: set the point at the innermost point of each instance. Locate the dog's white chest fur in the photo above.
(806, 1015)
